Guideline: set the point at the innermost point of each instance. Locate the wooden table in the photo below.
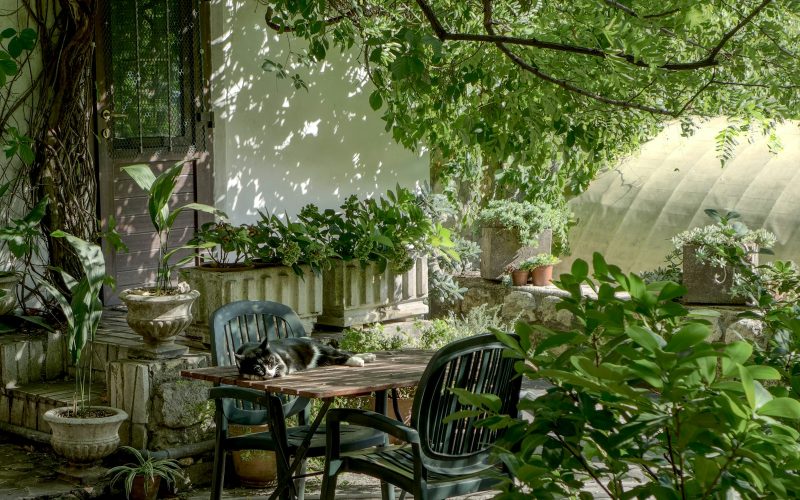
(391, 370)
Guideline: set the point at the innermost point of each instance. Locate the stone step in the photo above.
(31, 357)
(24, 406)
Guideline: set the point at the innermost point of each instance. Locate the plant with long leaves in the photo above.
(82, 312)
(147, 467)
(642, 404)
(160, 190)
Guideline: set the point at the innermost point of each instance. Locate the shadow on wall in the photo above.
(631, 214)
(277, 148)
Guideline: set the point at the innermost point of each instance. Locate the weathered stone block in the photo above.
(356, 295)
(750, 330)
(181, 403)
(55, 355)
(501, 248)
(706, 284)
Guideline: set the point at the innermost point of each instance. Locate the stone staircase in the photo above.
(36, 376)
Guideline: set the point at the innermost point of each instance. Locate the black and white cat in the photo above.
(281, 357)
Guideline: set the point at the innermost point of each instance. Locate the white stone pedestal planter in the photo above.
(275, 283)
(159, 319)
(84, 440)
(356, 295)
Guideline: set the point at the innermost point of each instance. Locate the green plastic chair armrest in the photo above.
(373, 420)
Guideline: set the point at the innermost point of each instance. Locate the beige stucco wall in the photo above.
(277, 148)
(631, 213)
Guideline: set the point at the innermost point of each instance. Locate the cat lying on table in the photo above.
(276, 358)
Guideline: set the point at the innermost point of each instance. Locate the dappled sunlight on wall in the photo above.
(630, 214)
(277, 148)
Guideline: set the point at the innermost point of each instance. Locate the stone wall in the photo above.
(165, 410)
(537, 304)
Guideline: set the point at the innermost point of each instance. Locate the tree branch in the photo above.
(286, 29)
(488, 26)
(491, 37)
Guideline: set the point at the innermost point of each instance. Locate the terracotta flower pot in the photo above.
(145, 489)
(520, 277)
(543, 275)
(255, 468)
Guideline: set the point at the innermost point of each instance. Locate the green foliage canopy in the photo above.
(556, 90)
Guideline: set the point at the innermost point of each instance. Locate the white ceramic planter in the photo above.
(275, 283)
(159, 319)
(84, 440)
(356, 295)
(9, 300)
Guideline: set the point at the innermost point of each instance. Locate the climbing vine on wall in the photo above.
(46, 124)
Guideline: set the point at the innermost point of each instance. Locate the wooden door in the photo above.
(151, 108)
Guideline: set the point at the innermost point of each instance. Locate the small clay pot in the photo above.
(520, 277)
(543, 275)
(138, 491)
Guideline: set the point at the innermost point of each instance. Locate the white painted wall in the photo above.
(277, 148)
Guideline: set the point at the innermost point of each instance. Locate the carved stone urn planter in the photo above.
(355, 295)
(8, 299)
(159, 319)
(270, 282)
(706, 284)
(85, 440)
(500, 248)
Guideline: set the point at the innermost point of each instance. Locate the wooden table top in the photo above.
(391, 370)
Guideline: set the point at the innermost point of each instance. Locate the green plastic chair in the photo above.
(249, 322)
(440, 460)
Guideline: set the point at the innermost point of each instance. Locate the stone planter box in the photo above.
(275, 283)
(706, 284)
(500, 247)
(356, 295)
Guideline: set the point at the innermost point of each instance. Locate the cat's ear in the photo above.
(264, 343)
(238, 357)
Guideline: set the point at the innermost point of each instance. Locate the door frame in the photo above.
(204, 164)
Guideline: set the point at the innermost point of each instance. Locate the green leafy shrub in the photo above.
(373, 338)
(539, 260)
(528, 220)
(727, 241)
(225, 243)
(441, 331)
(643, 405)
(292, 243)
(393, 230)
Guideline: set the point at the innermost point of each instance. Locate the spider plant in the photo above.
(146, 467)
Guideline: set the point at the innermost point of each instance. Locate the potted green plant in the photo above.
(381, 270)
(713, 257)
(83, 433)
(227, 247)
(161, 312)
(541, 268)
(289, 257)
(512, 231)
(519, 277)
(142, 479)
